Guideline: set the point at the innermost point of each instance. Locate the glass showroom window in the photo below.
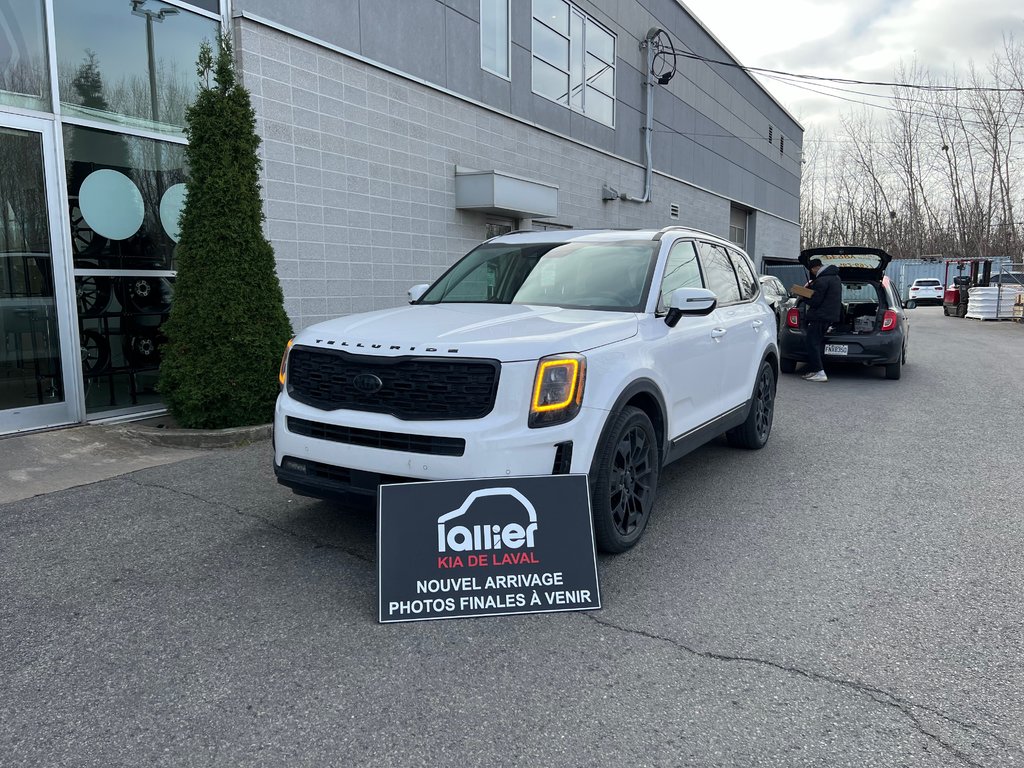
(494, 36)
(573, 60)
(125, 195)
(131, 62)
(24, 81)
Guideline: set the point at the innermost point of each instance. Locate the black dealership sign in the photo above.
(485, 547)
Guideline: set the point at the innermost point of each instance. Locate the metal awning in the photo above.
(504, 194)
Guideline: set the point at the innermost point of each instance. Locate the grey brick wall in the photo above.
(712, 120)
(359, 176)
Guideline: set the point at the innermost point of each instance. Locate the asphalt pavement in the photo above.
(849, 596)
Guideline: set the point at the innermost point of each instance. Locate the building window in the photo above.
(131, 62)
(125, 195)
(573, 60)
(24, 80)
(495, 42)
(738, 226)
(500, 225)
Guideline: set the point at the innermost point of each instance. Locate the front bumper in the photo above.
(497, 445)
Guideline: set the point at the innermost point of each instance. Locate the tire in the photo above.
(145, 295)
(142, 349)
(787, 366)
(753, 433)
(945, 311)
(894, 370)
(93, 295)
(95, 351)
(625, 480)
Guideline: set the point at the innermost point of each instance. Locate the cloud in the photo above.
(859, 39)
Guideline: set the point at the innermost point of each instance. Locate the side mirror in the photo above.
(416, 292)
(689, 301)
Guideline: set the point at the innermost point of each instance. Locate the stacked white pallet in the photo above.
(993, 302)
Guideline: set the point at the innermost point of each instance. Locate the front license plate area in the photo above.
(837, 350)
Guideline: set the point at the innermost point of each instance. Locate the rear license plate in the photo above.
(839, 350)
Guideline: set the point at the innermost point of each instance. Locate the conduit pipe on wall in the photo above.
(607, 193)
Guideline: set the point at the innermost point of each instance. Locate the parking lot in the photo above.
(850, 595)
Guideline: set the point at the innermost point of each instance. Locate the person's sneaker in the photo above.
(808, 374)
(819, 376)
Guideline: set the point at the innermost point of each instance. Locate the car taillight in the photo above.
(793, 318)
(889, 320)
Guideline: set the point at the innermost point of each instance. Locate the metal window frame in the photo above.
(60, 235)
(507, 75)
(534, 56)
(50, 415)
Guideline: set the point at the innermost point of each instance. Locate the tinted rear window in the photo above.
(927, 282)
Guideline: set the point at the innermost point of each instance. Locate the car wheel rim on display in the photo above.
(632, 466)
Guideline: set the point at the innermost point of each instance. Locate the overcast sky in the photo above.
(859, 39)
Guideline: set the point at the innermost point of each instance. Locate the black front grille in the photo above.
(411, 388)
(371, 438)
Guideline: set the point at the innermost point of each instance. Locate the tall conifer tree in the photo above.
(227, 327)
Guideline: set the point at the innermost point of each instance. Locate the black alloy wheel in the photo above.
(95, 351)
(628, 465)
(93, 295)
(755, 431)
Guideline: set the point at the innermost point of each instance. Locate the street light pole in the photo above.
(154, 103)
(151, 16)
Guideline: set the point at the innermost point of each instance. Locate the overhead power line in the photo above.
(845, 80)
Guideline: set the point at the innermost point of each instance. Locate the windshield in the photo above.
(578, 275)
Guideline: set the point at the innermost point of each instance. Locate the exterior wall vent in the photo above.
(673, 211)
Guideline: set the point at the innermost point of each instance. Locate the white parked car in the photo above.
(609, 353)
(926, 289)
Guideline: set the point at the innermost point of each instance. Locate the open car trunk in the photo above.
(855, 263)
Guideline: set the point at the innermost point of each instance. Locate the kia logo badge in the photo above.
(367, 383)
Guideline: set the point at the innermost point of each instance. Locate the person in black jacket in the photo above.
(823, 309)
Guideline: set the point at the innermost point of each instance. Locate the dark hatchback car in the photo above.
(873, 328)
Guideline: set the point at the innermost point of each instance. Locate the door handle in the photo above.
(758, 324)
(717, 333)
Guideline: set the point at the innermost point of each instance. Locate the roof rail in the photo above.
(676, 227)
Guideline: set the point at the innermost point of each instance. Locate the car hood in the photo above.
(854, 262)
(498, 331)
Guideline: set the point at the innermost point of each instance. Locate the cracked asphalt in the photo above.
(849, 596)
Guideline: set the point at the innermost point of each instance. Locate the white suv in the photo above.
(609, 353)
(926, 289)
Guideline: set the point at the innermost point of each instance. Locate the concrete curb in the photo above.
(197, 438)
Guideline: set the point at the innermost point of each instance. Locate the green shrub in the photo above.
(227, 327)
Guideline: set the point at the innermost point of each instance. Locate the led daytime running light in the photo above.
(569, 364)
(284, 362)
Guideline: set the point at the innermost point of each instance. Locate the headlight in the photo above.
(283, 373)
(557, 389)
